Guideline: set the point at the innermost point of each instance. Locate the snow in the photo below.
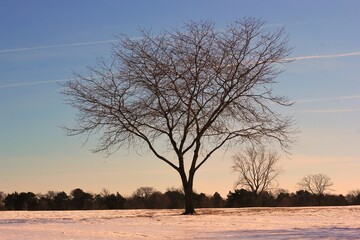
(244, 223)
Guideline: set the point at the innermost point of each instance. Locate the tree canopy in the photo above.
(191, 90)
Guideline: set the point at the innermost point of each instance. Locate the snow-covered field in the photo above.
(245, 223)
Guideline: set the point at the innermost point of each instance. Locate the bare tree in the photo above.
(317, 184)
(144, 192)
(353, 197)
(2, 198)
(257, 168)
(193, 90)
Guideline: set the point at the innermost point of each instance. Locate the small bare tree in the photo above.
(353, 197)
(191, 91)
(317, 184)
(257, 169)
(144, 192)
(2, 199)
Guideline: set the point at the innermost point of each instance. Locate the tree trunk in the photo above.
(189, 200)
(319, 199)
(188, 190)
(256, 198)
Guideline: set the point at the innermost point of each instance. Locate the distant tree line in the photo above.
(142, 198)
(149, 198)
(301, 198)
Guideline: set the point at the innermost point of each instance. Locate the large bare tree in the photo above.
(257, 169)
(191, 90)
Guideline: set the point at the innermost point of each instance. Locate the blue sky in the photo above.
(45, 41)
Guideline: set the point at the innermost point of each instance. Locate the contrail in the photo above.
(114, 40)
(330, 110)
(328, 99)
(55, 46)
(23, 84)
(323, 56)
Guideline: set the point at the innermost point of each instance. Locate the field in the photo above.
(245, 223)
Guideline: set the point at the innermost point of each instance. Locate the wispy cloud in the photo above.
(23, 84)
(56, 46)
